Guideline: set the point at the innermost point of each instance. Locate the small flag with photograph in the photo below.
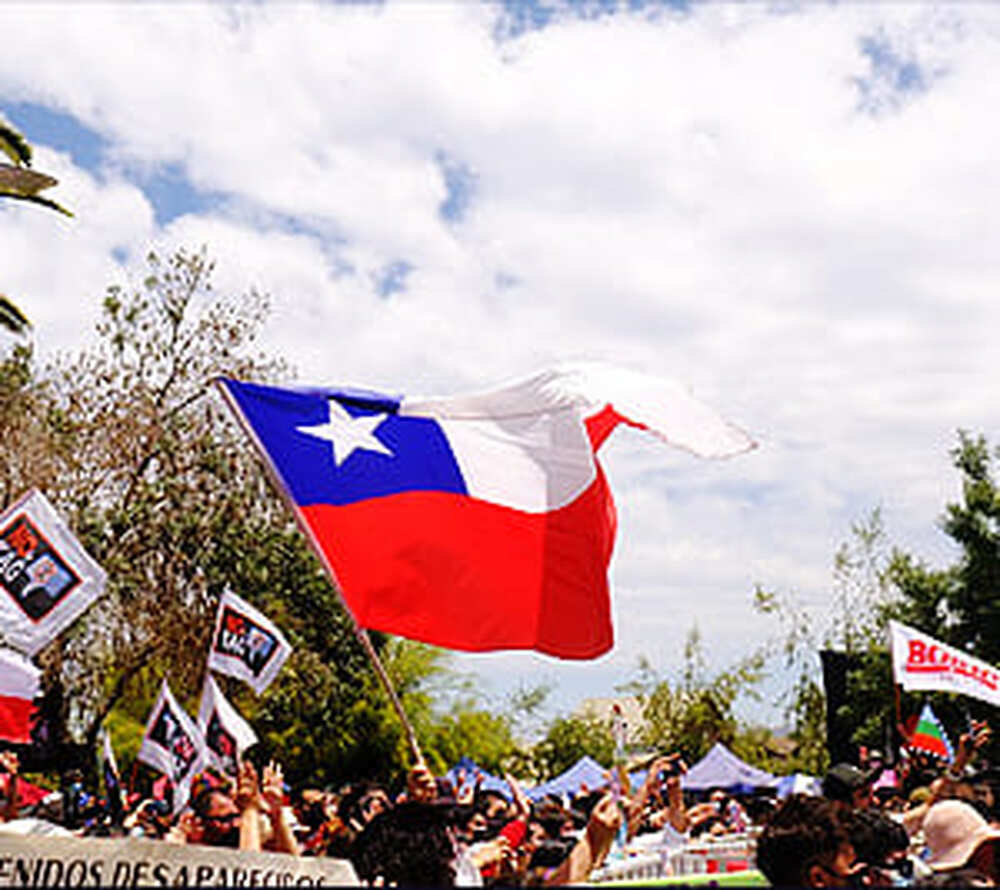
(173, 745)
(227, 735)
(246, 644)
(47, 579)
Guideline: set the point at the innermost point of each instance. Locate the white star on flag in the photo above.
(348, 434)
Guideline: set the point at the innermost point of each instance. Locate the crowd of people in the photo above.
(929, 827)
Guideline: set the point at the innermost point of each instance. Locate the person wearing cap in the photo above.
(848, 787)
(957, 837)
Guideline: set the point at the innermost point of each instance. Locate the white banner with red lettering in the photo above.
(919, 662)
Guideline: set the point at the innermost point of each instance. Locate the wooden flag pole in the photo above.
(359, 631)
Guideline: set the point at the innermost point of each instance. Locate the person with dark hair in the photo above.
(805, 844)
(848, 787)
(407, 845)
(218, 819)
(362, 803)
(882, 844)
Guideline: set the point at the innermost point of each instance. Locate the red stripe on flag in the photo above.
(465, 574)
(929, 743)
(15, 719)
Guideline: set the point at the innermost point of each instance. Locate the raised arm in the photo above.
(272, 792)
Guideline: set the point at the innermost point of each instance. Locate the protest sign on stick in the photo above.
(173, 744)
(227, 735)
(246, 644)
(47, 579)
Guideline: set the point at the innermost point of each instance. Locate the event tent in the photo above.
(586, 771)
(720, 768)
(469, 770)
(797, 783)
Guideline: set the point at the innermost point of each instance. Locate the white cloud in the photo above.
(705, 195)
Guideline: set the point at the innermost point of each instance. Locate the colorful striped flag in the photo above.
(930, 736)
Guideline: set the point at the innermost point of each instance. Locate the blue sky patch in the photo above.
(517, 17)
(391, 278)
(57, 130)
(893, 78)
(460, 182)
(172, 194)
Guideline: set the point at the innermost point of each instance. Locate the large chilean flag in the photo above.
(473, 522)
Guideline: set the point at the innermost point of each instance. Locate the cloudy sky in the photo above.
(789, 207)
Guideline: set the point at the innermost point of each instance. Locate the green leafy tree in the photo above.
(138, 452)
(471, 731)
(854, 624)
(873, 583)
(570, 738)
(693, 713)
(959, 604)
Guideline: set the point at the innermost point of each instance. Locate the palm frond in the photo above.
(37, 199)
(14, 145)
(12, 318)
(22, 181)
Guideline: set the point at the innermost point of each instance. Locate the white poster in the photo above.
(173, 745)
(37, 861)
(47, 579)
(227, 735)
(246, 644)
(919, 662)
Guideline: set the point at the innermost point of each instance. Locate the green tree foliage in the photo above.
(873, 583)
(854, 623)
(960, 603)
(137, 451)
(693, 713)
(570, 738)
(471, 731)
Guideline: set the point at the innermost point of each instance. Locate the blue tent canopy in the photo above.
(797, 783)
(470, 768)
(586, 771)
(720, 768)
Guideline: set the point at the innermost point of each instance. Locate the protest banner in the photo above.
(34, 861)
(227, 735)
(47, 579)
(921, 663)
(246, 644)
(173, 744)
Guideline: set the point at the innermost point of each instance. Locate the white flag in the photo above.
(920, 662)
(47, 579)
(246, 644)
(227, 735)
(173, 744)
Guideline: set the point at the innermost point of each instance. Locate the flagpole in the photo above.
(359, 631)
